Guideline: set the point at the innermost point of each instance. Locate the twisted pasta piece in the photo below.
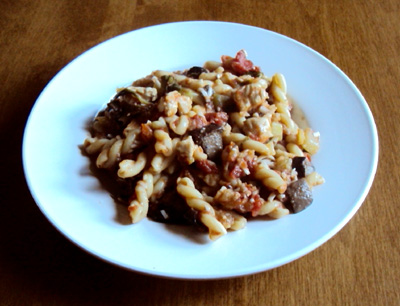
(159, 187)
(279, 211)
(277, 130)
(283, 161)
(294, 149)
(130, 168)
(270, 178)
(238, 118)
(161, 162)
(179, 124)
(311, 141)
(251, 144)
(191, 83)
(278, 90)
(110, 155)
(273, 208)
(139, 206)
(285, 117)
(314, 179)
(158, 124)
(163, 143)
(278, 87)
(230, 219)
(214, 75)
(111, 150)
(195, 200)
(94, 145)
(222, 89)
(131, 133)
(213, 65)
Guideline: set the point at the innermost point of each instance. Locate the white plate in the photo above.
(75, 203)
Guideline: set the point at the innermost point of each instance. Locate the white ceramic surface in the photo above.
(74, 202)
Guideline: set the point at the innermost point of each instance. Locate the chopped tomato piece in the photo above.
(207, 166)
(240, 64)
(197, 122)
(218, 118)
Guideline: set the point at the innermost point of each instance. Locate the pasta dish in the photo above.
(211, 146)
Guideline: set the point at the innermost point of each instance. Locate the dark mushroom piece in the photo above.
(299, 196)
(168, 84)
(210, 139)
(172, 209)
(195, 72)
(127, 104)
(303, 166)
(224, 103)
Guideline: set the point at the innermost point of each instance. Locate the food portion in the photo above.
(210, 146)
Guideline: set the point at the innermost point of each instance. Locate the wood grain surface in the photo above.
(358, 266)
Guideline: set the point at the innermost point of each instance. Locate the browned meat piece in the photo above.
(195, 72)
(303, 166)
(131, 103)
(120, 111)
(210, 139)
(171, 208)
(299, 195)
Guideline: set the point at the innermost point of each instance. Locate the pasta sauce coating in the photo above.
(212, 146)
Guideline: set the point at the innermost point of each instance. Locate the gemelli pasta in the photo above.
(210, 146)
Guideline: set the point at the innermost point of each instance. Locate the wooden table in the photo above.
(358, 266)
